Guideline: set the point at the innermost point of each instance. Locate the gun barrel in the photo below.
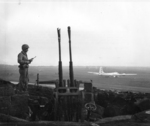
(60, 62)
(70, 63)
(69, 33)
(59, 40)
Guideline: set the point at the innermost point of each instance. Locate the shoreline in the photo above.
(116, 88)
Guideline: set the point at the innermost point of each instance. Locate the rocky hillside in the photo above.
(113, 108)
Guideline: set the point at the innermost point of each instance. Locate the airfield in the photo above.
(114, 94)
(135, 83)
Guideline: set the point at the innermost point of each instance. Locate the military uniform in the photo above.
(23, 70)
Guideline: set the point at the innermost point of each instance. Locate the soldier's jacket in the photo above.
(23, 60)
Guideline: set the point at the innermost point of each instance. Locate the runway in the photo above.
(122, 88)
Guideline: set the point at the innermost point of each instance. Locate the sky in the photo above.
(103, 32)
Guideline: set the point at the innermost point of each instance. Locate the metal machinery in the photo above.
(70, 102)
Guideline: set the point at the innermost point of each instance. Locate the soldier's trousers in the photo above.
(23, 80)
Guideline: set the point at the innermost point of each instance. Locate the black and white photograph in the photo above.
(75, 62)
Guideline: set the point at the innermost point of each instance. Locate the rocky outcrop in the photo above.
(143, 116)
(39, 105)
(11, 103)
(8, 118)
(19, 106)
(143, 104)
(120, 103)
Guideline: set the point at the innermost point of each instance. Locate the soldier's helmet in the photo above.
(25, 46)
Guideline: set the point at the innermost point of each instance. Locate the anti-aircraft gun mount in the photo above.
(70, 102)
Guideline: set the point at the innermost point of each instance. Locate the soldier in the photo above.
(23, 68)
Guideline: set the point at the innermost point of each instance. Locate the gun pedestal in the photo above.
(67, 103)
